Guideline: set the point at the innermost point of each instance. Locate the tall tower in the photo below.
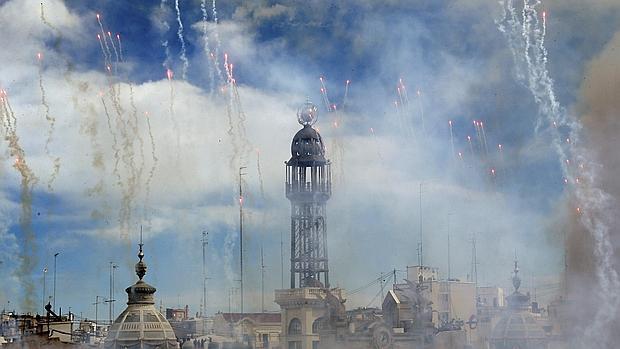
(308, 187)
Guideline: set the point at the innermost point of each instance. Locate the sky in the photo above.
(111, 137)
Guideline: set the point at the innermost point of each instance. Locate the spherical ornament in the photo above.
(307, 114)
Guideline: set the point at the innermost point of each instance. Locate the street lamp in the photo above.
(44, 289)
(55, 256)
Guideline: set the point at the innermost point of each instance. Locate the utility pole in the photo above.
(449, 273)
(241, 231)
(281, 259)
(205, 242)
(96, 304)
(474, 265)
(111, 300)
(262, 279)
(421, 243)
(55, 257)
(44, 289)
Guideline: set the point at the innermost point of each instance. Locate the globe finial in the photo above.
(307, 114)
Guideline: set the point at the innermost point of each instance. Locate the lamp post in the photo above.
(44, 290)
(55, 257)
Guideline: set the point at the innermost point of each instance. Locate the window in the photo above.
(294, 345)
(294, 327)
(316, 325)
(315, 344)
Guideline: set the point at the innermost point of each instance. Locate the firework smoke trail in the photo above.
(421, 104)
(324, 94)
(152, 171)
(107, 52)
(115, 52)
(346, 95)
(484, 138)
(260, 174)
(106, 62)
(175, 125)
(478, 136)
(374, 138)
(28, 180)
(136, 131)
(115, 147)
(52, 121)
(182, 40)
(120, 47)
(207, 49)
(593, 202)
(451, 140)
(471, 147)
(218, 43)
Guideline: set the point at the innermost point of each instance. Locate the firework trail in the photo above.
(374, 138)
(324, 94)
(166, 27)
(115, 147)
(136, 131)
(120, 47)
(346, 95)
(152, 170)
(107, 52)
(451, 140)
(51, 121)
(28, 181)
(478, 136)
(421, 104)
(484, 138)
(471, 147)
(218, 43)
(594, 203)
(175, 125)
(260, 174)
(115, 52)
(182, 40)
(207, 49)
(106, 61)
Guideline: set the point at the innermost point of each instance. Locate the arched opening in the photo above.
(317, 324)
(294, 327)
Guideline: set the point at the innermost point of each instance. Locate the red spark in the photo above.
(169, 74)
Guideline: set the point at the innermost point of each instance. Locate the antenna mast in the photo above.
(241, 232)
(262, 279)
(205, 242)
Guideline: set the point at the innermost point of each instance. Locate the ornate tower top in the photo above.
(517, 300)
(307, 114)
(140, 292)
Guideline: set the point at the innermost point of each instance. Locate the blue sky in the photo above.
(450, 51)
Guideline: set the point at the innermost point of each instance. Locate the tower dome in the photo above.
(140, 325)
(307, 145)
